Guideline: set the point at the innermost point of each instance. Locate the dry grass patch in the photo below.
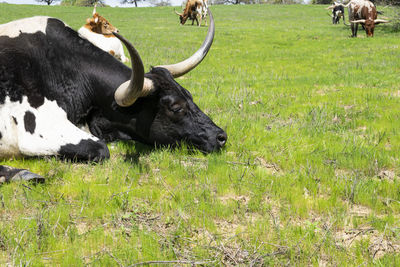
(387, 175)
(229, 197)
(379, 244)
(327, 89)
(271, 168)
(359, 211)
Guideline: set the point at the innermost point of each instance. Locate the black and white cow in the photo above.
(53, 83)
(337, 12)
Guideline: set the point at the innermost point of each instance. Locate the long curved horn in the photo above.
(190, 63)
(176, 12)
(358, 21)
(377, 21)
(138, 85)
(94, 9)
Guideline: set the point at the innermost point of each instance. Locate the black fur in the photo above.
(86, 150)
(336, 15)
(30, 122)
(82, 79)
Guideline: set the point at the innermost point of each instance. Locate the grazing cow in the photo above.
(195, 10)
(53, 83)
(364, 12)
(99, 32)
(337, 13)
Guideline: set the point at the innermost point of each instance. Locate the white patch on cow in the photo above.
(28, 25)
(359, 4)
(52, 130)
(105, 43)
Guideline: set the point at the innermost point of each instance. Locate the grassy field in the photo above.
(310, 174)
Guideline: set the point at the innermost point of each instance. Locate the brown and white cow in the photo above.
(98, 31)
(364, 12)
(195, 10)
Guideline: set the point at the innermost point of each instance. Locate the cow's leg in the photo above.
(354, 27)
(10, 174)
(45, 131)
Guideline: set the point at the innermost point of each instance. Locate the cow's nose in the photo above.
(221, 139)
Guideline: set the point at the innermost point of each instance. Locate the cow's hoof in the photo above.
(26, 175)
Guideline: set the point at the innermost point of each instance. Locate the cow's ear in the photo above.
(88, 20)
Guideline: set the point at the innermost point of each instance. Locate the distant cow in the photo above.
(364, 12)
(195, 10)
(98, 31)
(337, 12)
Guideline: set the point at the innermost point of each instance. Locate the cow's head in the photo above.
(162, 112)
(182, 17)
(369, 25)
(100, 25)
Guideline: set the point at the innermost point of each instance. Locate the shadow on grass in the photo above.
(134, 150)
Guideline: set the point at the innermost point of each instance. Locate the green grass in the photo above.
(310, 173)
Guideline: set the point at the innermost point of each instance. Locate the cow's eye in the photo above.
(176, 108)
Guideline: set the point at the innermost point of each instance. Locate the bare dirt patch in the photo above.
(82, 228)
(387, 175)
(325, 89)
(269, 167)
(360, 211)
(347, 237)
(379, 244)
(226, 198)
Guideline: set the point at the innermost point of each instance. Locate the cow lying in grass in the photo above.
(99, 32)
(62, 96)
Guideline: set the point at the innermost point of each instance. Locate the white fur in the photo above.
(105, 43)
(202, 10)
(358, 4)
(28, 25)
(52, 130)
